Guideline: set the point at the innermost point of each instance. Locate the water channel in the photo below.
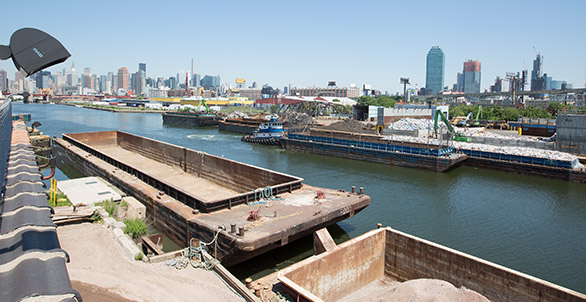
(531, 224)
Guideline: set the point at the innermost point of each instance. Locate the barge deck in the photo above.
(190, 194)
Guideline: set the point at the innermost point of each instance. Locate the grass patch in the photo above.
(60, 200)
(108, 205)
(137, 227)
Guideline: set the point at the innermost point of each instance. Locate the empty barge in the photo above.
(383, 264)
(191, 194)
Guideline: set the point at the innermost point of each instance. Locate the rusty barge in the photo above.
(241, 125)
(191, 194)
(190, 119)
(381, 263)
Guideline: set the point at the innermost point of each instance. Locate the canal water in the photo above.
(531, 224)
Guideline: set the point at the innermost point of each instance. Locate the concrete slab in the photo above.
(135, 208)
(88, 190)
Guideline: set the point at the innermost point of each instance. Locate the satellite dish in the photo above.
(33, 50)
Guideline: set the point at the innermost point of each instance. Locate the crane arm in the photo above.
(439, 114)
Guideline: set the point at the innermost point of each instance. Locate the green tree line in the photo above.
(508, 113)
(381, 100)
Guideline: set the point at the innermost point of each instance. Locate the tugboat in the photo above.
(268, 133)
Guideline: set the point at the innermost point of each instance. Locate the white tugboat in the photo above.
(268, 133)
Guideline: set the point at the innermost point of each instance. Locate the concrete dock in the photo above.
(190, 194)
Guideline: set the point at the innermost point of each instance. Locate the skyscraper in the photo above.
(142, 66)
(471, 77)
(123, 79)
(434, 76)
(3, 80)
(537, 80)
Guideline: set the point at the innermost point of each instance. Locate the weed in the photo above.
(137, 227)
(96, 217)
(109, 206)
(138, 256)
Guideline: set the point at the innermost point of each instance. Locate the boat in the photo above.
(268, 133)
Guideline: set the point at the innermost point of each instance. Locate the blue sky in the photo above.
(308, 43)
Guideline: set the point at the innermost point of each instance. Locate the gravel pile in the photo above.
(346, 125)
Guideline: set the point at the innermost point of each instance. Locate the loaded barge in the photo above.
(370, 147)
(243, 209)
(435, 159)
(241, 125)
(190, 119)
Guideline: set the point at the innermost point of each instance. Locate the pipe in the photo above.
(52, 162)
(50, 175)
(46, 164)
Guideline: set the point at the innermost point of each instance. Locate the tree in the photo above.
(365, 100)
(385, 101)
(510, 114)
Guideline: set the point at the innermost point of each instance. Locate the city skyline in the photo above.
(375, 45)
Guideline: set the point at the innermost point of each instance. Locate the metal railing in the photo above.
(5, 138)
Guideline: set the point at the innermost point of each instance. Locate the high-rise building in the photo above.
(471, 77)
(434, 76)
(123, 79)
(210, 81)
(103, 83)
(142, 66)
(140, 82)
(193, 72)
(537, 79)
(3, 80)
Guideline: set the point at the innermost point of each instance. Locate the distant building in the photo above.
(103, 83)
(498, 85)
(434, 76)
(537, 80)
(250, 93)
(196, 80)
(42, 79)
(352, 92)
(123, 79)
(210, 81)
(142, 67)
(471, 77)
(3, 80)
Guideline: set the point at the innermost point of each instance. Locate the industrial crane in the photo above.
(457, 136)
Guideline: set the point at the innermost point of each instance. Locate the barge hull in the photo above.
(434, 163)
(189, 120)
(388, 253)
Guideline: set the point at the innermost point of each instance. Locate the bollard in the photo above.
(361, 190)
(248, 282)
(241, 231)
(233, 228)
(379, 225)
(353, 189)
